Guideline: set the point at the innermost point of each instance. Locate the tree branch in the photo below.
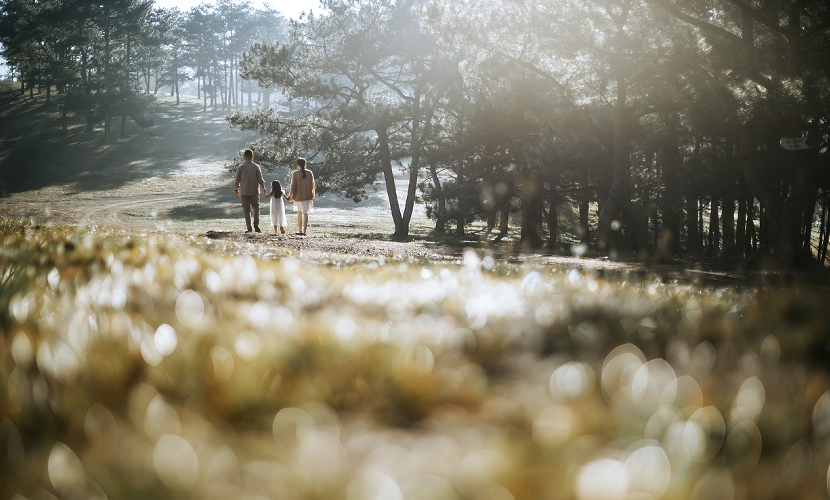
(764, 20)
(703, 25)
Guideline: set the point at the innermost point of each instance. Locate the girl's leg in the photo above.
(282, 229)
(305, 222)
(275, 229)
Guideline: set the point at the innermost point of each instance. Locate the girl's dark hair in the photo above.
(301, 162)
(276, 188)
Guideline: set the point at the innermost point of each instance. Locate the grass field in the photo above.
(148, 349)
(175, 176)
(178, 367)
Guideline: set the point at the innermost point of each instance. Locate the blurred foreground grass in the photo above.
(149, 366)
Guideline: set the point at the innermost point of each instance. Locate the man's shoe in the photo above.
(248, 231)
(257, 230)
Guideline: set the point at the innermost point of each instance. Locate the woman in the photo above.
(302, 193)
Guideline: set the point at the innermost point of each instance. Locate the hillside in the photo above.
(172, 176)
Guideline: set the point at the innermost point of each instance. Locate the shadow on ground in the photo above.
(35, 153)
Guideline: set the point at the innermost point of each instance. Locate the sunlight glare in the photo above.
(65, 469)
(648, 471)
(603, 479)
(165, 339)
(176, 463)
(553, 426)
(374, 485)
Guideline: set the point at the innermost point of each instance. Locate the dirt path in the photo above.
(90, 211)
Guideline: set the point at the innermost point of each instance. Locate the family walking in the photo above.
(249, 183)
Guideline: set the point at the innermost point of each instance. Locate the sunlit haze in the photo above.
(289, 8)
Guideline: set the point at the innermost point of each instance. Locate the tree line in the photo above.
(657, 124)
(103, 59)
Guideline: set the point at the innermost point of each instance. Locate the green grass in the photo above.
(180, 367)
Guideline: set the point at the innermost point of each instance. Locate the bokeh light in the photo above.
(173, 369)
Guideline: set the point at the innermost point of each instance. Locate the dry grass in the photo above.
(140, 358)
(172, 177)
(179, 367)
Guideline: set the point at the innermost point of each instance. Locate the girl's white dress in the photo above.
(277, 210)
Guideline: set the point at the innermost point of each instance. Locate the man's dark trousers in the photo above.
(249, 202)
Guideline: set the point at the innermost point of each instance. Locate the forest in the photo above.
(104, 59)
(629, 127)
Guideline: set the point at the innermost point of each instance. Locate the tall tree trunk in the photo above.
(692, 235)
(227, 93)
(807, 224)
(670, 201)
(459, 181)
(490, 206)
(65, 113)
(740, 231)
(700, 211)
(822, 232)
(504, 218)
(414, 166)
(107, 75)
(553, 221)
(128, 85)
(713, 238)
(441, 210)
(751, 238)
(763, 232)
(205, 82)
(90, 121)
(728, 221)
(401, 229)
(531, 199)
(584, 207)
(825, 221)
(175, 72)
(619, 196)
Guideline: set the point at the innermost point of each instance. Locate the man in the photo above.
(248, 177)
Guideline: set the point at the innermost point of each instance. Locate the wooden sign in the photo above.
(794, 143)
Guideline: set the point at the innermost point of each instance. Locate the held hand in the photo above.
(237, 193)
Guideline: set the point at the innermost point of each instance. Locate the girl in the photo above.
(277, 206)
(303, 189)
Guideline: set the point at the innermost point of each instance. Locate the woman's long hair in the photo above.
(301, 162)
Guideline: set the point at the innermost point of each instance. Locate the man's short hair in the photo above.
(249, 153)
